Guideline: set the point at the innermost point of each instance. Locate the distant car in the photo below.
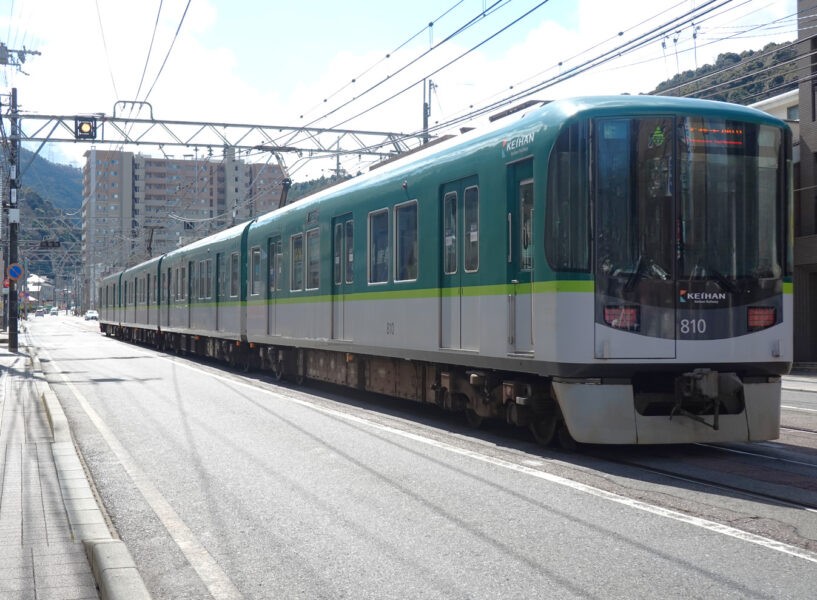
(54, 312)
(92, 315)
(39, 312)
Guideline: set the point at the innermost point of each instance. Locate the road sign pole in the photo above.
(14, 217)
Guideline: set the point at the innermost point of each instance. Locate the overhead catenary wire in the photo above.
(384, 58)
(105, 46)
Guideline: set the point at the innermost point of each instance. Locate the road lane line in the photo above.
(575, 485)
(798, 409)
(216, 580)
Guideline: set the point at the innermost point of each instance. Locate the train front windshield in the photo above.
(686, 199)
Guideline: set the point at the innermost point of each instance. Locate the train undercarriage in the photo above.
(697, 405)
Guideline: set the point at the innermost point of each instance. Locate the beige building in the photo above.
(136, 206)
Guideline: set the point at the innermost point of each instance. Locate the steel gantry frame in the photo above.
(118, 130)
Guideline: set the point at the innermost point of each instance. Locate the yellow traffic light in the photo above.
(85, 128)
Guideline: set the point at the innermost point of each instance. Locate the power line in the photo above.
(448, 64)
(169, 50)
(105, 45)
(462, 28)
(386, 57)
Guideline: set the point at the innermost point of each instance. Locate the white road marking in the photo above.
(798, 409)
(216, 580)
(575, 485)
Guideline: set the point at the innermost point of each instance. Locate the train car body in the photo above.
(616, 268)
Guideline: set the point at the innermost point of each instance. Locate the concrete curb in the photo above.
(112, 565)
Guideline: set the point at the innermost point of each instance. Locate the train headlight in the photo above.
(622, 317)
(760, 317)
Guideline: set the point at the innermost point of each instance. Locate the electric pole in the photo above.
(14, 218)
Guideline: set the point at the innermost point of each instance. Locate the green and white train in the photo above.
(611, 270)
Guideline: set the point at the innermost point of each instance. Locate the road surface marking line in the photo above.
(575, 485)
(216, 580)
(797, 408)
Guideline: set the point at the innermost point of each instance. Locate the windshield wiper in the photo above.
(722, 280)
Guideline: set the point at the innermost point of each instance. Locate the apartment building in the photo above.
(136, 206)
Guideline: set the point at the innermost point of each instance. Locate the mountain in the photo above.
(754, 75)
(59, 184)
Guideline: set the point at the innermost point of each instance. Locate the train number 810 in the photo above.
(693, 326)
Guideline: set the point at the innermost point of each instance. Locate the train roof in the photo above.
(546, 115)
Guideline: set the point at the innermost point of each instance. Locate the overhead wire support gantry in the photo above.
(119, 130)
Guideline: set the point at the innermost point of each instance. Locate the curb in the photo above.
(112, 565)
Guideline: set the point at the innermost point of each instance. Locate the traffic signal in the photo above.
(85, 128)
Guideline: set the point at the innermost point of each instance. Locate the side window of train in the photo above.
(296, 257)
(208, 272)
(255, 271)
(234, 274)
(202, 279)
(313, 259)
(379, 246)
(567, 207)
(471, 232)
(183, 283)
(450, 233)
(405, 241)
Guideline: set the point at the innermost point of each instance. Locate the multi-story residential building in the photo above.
(805, 185)
(136, 206)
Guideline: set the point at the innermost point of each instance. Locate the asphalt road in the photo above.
(229, 486)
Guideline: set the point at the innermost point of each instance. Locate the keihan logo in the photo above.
(702, 297)
(517, 143)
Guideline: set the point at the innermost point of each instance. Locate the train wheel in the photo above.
(278, 370)
(472, 418)
(566, 440)
(543, 431)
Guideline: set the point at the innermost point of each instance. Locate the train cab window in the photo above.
(405, 241)
(379, 246)
(471, 223)
(567, 245)
(313, 259)
(255, 271)
(234, 274)
(450, 233)
(296, 277)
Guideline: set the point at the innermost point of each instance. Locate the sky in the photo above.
(313, 62)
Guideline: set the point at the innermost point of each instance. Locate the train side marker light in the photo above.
(760, 317)
(350, 357)
(196, 338)
(237, 343)
(252, 344)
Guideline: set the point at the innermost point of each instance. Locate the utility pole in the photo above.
(14, 217)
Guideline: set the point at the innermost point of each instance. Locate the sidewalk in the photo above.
(54, 541)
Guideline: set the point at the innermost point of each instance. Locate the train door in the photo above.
(274, 281)
(520, 251)
(342, 274)
(459, 237)
(636, 237)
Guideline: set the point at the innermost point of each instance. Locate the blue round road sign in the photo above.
(15, 271)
